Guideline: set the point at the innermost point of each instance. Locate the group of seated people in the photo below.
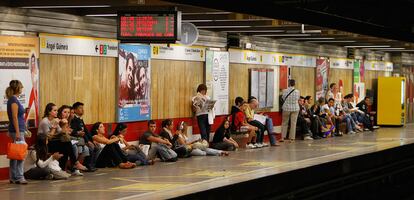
(65, 147)
(332, 116)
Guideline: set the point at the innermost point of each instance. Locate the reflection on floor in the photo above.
(165, 180)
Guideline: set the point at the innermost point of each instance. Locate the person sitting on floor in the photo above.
(133, 153)
(363, 114)
(158, 146)
(200, 146)
(222, 139)
(182, 150)
(39, 165)
(111, 154)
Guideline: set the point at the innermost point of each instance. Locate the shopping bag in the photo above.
(16, 151)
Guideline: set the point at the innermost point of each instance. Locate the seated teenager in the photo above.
(222, 139)
(158, 145)
(133, 153)
(59, 139)
(65, 137)
(111, 154)
(349, 110)
(40, 165)
(182, 150)
(363, 115)
(199, 147)
(328, 125)
(239, 123)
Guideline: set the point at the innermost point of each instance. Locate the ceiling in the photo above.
(376, 25)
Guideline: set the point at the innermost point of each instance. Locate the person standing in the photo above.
(290, 108)
(17, 128)
(198, 102)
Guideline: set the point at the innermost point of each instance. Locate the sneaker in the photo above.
(79, 166)
(265, 144)
(308, 138)
(259, 145)
(375, 127)
(49, 177)
(23, 182)
(366, 129)
(77, 173)
(250, 146)
(351, 132)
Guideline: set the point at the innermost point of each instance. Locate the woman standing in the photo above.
(202, 114)
(17, 128)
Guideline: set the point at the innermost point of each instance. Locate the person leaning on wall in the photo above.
(198, 108)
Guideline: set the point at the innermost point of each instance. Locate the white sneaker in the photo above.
(265, 144)
(375, 127)
(351, 132)
(259, 145)
(366, 129)
(308, 138)
(77, 173)
(250, 146)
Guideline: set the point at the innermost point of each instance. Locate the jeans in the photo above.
(16, 166)
(205, 152)
(204, 126)
(164, 152)
(270, 134)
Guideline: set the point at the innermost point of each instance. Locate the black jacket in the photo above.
(76, 125)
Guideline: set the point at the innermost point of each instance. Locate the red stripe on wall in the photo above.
(4, 173)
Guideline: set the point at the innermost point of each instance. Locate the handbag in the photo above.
(16, 151)
(282, 101)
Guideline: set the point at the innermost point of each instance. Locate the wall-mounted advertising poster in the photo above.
(217, 80)
(322, 72)
(19, 59)
(134, 80)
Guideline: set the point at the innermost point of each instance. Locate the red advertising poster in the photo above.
(322, 72)
(283, 77)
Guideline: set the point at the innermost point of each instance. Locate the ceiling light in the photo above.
(315, 38)
(404, 50)
(80, 6)
(224, 26)
(197, 20)
(368, 46)
(257, 31)
(333, 41)
(283, 35)
(305, 31)
(208, 13)
(14, 33)
(102, 15)
(392, 48)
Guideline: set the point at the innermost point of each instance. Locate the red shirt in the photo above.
(238, 120)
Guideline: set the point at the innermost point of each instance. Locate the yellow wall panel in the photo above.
(173, 84)
(305, 80)
(91, 80)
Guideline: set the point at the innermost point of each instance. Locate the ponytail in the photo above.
(14, 88)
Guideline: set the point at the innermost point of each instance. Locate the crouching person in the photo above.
(158, 146)
(39, 165)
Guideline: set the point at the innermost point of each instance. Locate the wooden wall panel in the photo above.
(345, 75)
(239, 80)
(91, 80)
(172, 86)
(305, 80)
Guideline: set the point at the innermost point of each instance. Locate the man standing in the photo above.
(290, 108)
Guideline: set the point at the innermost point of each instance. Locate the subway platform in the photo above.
(369, 165)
